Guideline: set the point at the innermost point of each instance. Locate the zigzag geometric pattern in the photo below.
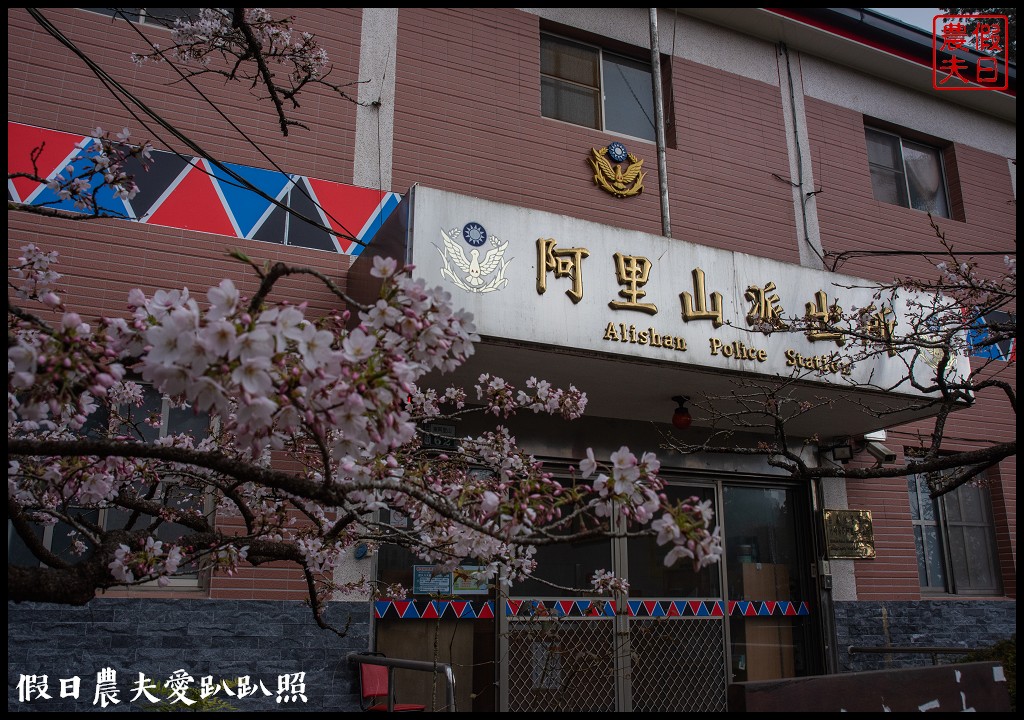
(433, 609)
(193, 194)
(452, 609)
(982, 346)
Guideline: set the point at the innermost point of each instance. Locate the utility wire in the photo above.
(841, 257)
(111, 84)
(230, 122)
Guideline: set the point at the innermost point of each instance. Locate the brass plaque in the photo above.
(849, 534)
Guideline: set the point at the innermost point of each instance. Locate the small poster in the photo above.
(464, 584)
(426, 582)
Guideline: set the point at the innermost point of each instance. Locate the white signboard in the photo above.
(549, 279)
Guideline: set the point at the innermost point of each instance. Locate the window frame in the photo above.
(603, 57)
(905, 191)
(952, 582)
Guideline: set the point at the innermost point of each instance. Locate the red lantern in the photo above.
(681, 418)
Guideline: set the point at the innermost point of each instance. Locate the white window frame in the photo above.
(603, 58)
(944, 184)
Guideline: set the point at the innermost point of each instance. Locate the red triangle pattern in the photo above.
(401, 606)
(346, 204)
(23, 139)
(193, 205)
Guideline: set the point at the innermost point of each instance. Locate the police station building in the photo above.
(639, 228)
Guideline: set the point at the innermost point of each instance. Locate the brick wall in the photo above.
(38, 64)
(468, 120)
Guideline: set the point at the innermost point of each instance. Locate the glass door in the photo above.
(769, 589)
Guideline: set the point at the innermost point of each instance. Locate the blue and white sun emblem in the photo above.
(617, 152)
(475, 234)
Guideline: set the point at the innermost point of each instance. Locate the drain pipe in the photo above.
(659, 124)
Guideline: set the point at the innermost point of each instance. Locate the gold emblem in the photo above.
(612, 178)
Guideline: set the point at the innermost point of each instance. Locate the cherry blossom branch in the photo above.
(249, 44)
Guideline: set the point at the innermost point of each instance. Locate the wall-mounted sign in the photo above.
(464, 584)
(426, 582)
(578, 285)
(439, 436)
(565, 287)
(849, 534)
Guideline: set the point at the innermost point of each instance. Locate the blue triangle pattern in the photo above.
(246, 206)
(105, 199)
(369, 232)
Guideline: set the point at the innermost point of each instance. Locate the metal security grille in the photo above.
(678, 665)
(569, 665)
(561, 664)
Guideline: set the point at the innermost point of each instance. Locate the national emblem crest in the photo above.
(474, 275)
(612, 178)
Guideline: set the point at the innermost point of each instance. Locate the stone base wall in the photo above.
(969, 624)
(271, 642)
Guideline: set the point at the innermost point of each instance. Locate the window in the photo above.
(155, 418)
(907, 173)
(584, 85)
(955, 538)
(164, 17)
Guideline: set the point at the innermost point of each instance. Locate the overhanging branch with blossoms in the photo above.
(316, 430)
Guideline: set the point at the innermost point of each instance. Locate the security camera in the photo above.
(880, 452)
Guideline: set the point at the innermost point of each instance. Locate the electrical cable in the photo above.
(241, 132)
(111, 84)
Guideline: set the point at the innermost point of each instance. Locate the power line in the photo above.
(230, 122)
(111, 84)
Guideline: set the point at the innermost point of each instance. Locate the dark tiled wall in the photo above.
(934, 623)
(221, 638)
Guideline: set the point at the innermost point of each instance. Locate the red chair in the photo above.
(374, 683)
